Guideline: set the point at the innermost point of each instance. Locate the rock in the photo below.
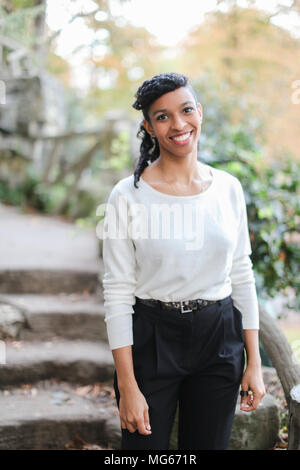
(33, 103)
(258, 429)
(11, 320)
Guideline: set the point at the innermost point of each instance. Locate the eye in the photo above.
(189, 107)
(158, 119)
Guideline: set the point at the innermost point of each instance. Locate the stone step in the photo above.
(44, 254)
(54, 416)
(70, 360)
(48, 281)
(40, 317)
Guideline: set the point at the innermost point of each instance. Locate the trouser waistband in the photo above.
(185, 306)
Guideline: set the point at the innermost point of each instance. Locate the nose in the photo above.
(178, 122)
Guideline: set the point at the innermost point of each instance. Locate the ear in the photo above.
(199, 107)
(148, 127)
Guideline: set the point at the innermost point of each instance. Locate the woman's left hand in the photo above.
(252, 381)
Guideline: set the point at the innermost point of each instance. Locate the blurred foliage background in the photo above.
(63, 146)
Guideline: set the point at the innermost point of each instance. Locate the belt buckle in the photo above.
(184, 311)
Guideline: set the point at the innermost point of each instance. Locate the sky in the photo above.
(168, 20)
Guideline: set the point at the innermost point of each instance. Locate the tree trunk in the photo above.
(288, 370)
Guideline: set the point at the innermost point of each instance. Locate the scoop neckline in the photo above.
(173, 196)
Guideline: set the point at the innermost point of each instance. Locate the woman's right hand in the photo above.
(134, 412)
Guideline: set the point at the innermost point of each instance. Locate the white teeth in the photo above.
(182, 137)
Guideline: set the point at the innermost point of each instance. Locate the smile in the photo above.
(182, 139)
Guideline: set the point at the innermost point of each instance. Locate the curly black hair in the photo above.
(146, 94)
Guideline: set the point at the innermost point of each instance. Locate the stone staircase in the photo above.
(56, 382)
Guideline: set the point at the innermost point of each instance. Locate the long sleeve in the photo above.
(244, 294)
(119, 278)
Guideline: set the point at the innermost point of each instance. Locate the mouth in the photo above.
(182, 139)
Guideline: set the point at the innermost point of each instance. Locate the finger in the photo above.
(256, 400)
(249, 407)
(141, 427)
(131, 427)
(147, 421)
(123, 424)
(248, 404)
(245, 400)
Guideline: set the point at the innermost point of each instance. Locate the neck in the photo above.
(183, 170)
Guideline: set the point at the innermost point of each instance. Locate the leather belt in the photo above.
(183, 306)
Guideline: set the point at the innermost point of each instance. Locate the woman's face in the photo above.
(175, 121)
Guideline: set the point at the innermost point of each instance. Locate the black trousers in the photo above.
(193, 359)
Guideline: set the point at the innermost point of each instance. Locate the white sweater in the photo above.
(174, 248)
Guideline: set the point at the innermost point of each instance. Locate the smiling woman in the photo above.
(179, 309)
